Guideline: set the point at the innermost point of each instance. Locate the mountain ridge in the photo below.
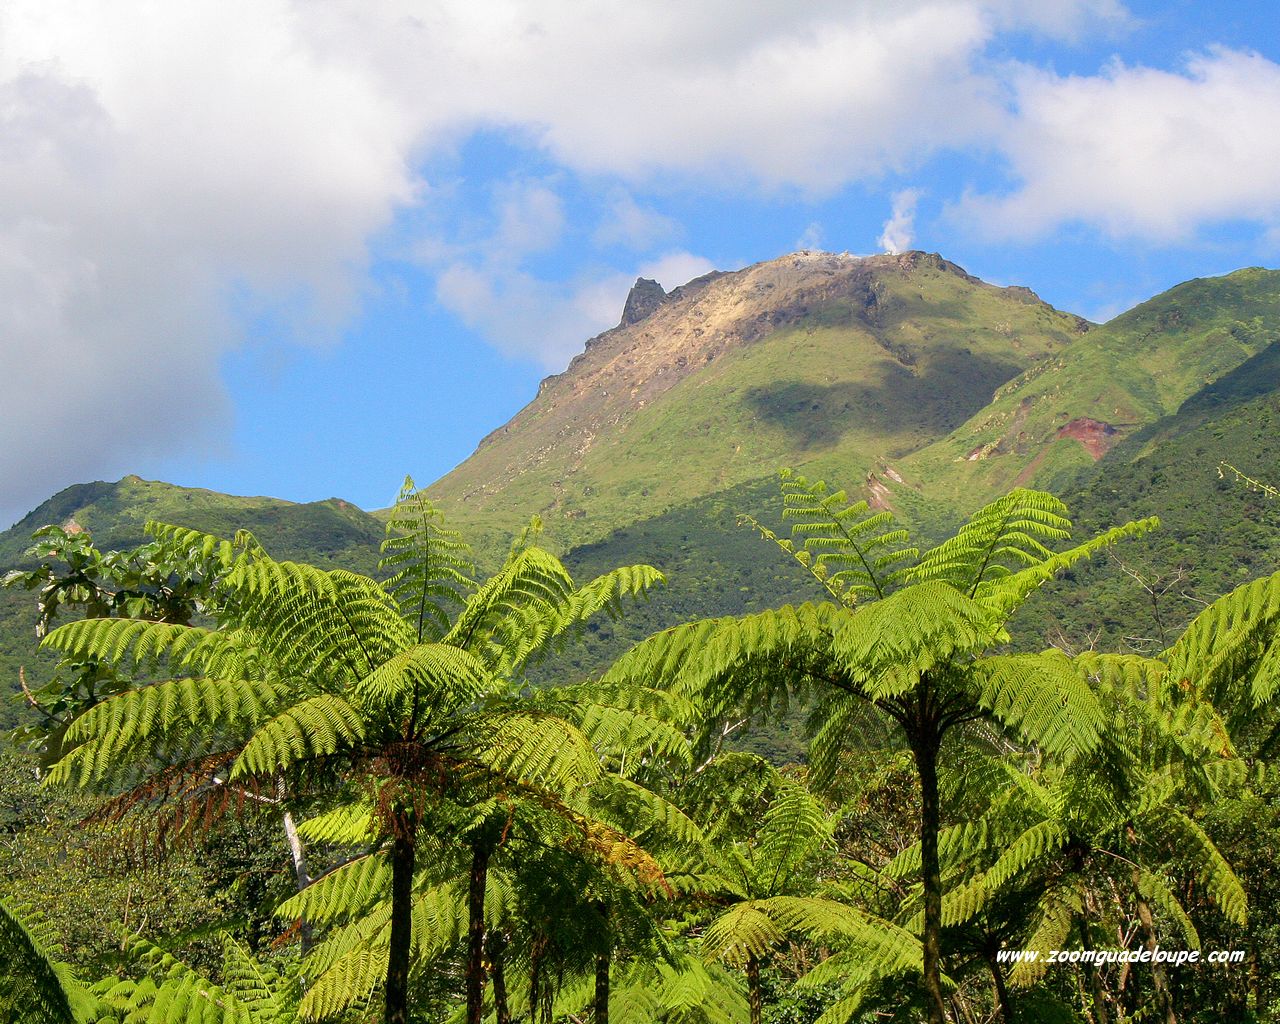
(726, 357)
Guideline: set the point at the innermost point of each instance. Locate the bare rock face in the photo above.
(642, 301)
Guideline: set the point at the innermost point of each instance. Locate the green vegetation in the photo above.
(321, 785)
(495, 851)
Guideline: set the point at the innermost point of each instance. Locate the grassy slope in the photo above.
(330, 533)
(842, 390)
(1134, 370)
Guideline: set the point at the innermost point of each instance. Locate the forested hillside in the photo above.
(703, 742)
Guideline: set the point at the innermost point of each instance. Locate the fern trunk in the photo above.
(403, 853)
(602, 989)
(498, 969)
(1002, 991)
(1159, 979)
(924, 745)
(755, 994)
(481, 851)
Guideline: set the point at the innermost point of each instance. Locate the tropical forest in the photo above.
(913, 658)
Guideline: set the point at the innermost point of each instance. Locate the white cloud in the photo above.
(628, 224)
(1142, 153)
(811, 237)
(899, 229)
(547, 321)
(157, 159)
(674, 269)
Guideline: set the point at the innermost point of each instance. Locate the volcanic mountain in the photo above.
(830, 363)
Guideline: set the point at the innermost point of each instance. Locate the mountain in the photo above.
(1052, 424)
(901, 377)
(831, 363)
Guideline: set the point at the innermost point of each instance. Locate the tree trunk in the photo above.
(497, 962)
(1159, 979)
(1002, 993)
(298, 854)
(602, 989)
(403, 851)
(1097, 990)
(925, 748)
(481, 850)
(755, 995)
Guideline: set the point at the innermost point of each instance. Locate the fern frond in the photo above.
(541, 751)
(441, 680)
(856, 549)
(1002, 537)
(743, 931)
(1043, 698)
(117, 641)
(430, 565)
(33, 985)
(332, 624)
(1216, 874)
(886, 645)
(109, 734)
(1156, 891)
(342, 893)
(347, 825)
(1004, 594)
(320, 725)
(792, 830)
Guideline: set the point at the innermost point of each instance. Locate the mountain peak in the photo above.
(811, 355)
(645, 297)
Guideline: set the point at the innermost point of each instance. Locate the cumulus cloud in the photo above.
(163, 166)
(628, 224)
(899, 229)
(1142, 153)
(547, 321)
(811, 237)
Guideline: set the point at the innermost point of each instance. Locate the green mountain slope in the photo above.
(877, 374)
(814, 360)
(331, 532)
(1051, 424)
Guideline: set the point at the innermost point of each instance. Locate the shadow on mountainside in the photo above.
(905, 403)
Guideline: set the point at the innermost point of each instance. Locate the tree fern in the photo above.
(34, 986)
(412, 685)
(918, 650)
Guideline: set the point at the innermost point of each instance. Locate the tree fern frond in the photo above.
(441, 679)
(541, 751)
(857, 549)
(312, 728)
(324, 624)
(116, 641)
(1002, 537)
(342, 893)
(648, 817)
(1227, 642)
(793, 828)
(1004, 594)
(489, 622)
(1043, 698)
(912, 631)
(1058, 908)
(1219, 879)
(346, 825)
(109, 734)
(33, 985)
(1156, 890)
(743, 931)
(431, 567)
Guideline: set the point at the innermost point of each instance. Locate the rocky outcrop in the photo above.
(642, 301)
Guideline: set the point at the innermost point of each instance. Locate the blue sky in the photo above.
(303, 249)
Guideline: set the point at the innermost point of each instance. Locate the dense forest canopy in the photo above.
(259, 790)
